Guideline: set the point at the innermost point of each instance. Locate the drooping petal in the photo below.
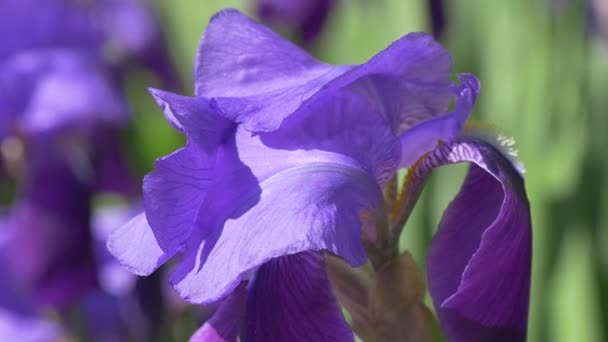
(226, 323)
(480, 259)
(237, 65)
(327, 177)
(291, 300)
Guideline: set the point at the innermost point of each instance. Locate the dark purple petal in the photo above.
(237, 65)
(291, 300)
(225, 324)
(480, 259)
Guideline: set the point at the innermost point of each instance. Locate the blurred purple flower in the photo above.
(62, 150)
(19, 319)
(121, 32)
(306, 18)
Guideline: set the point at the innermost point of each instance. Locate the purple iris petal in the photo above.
(306, 17)
(291, 299)
(425, 136)
(258, 79)
(480, 259)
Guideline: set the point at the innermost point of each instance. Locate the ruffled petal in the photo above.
(251, 87)
(285, 192)
(173, 194)
(136, 248)
(425, 136)
(291, 300)
(226, 323)
(194, 117)
(480, 259)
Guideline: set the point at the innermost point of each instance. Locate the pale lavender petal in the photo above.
(291, 299)
(113, 278)
(258, 79)
(480, 259)
(226, 323)
(136, 248)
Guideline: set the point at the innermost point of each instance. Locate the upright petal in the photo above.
(291, 300)
(480, 259)
(258, 79)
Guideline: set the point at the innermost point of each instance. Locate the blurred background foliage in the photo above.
(544, 74)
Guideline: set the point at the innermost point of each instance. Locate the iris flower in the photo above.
(286, 159)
